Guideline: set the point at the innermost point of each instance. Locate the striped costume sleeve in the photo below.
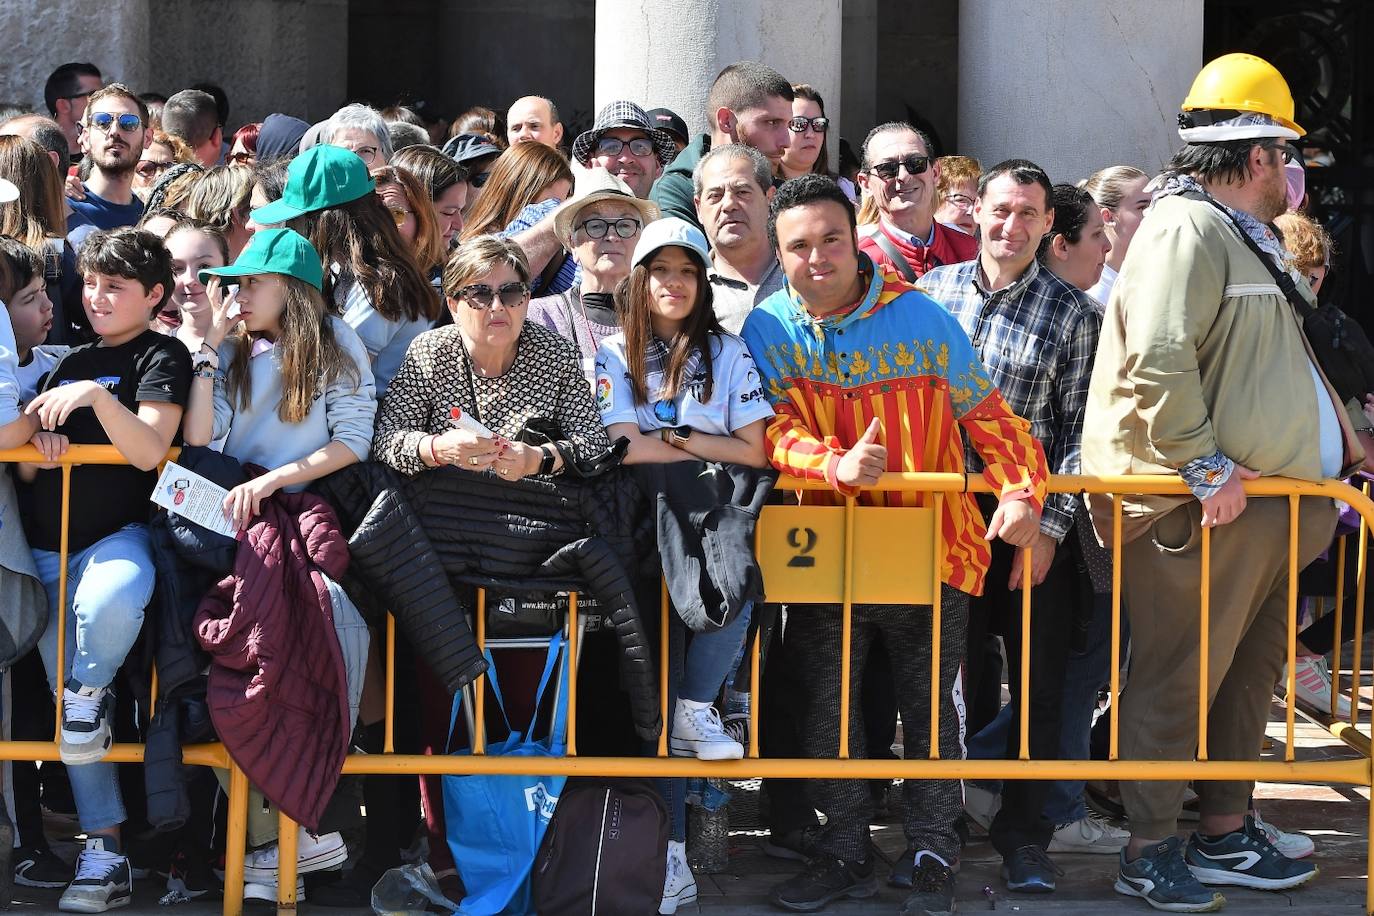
(794, 449)
(1013, 459)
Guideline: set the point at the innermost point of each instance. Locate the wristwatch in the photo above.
(679, 436)
(546, 462)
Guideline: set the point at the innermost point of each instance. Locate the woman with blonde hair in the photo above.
(158, 156)
(221, 199)
(38, 221)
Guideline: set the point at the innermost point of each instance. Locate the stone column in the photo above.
(666, 53)
(41, 35)
(1075, 85)
(859, 92)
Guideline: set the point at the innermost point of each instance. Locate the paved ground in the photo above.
(1335, 817)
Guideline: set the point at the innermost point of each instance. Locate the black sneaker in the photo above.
(1161, 878)
(825, 879)
(799, 845)
(39, 866)
(103, 880)
(1245, 858)
(932, 887)
(1029, 870)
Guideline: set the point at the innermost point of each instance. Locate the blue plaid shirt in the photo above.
(1037, 338)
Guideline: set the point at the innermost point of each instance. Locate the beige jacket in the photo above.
(1199, 351)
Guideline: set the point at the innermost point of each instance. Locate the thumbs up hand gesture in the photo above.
(865, 462)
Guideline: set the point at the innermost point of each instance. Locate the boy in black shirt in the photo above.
(127, 390)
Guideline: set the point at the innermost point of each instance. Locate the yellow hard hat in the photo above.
(1243, 82)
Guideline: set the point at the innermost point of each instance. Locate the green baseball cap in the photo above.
(319, 178)
(273, 251)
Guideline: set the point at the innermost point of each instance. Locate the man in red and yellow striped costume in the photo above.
(867, 375)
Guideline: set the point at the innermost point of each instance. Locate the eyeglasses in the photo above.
(104, 120)
(482, 296)
(914, 165)
(80, 95)
(639, 146)
(1287, 151)
(366, 153)
(479, 179)
(959, 201)
(243, 157)
(800, 125)
(399, 215)
(666, 412)
(596, 228)
(149, 168)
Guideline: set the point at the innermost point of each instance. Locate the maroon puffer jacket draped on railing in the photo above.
(278, 690)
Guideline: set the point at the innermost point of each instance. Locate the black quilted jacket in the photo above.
(411, 536)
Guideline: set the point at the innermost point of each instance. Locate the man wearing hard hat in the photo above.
(1203, 370)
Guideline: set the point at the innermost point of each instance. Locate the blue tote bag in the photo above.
(495, 823)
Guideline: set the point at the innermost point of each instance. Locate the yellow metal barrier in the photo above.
(843, 554)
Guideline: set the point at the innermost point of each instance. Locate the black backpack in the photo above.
(605, 852)
(1338, 341)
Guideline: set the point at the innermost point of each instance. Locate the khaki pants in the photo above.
(1162, 583)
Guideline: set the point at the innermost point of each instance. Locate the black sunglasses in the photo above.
(798, 125)
(887, 171)
(481, 296)
(596, 228)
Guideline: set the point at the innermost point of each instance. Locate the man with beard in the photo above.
(900, 174)
(113, 133)
(1205, 372)
(733, 186)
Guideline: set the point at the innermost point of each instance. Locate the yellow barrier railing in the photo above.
(825, 549)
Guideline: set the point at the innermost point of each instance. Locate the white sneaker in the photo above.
(103, 880)
(266, 891)
(85, 723)
(679, 885)
(313, 853)
(1089, 834)
(981, 805)
(697, 732)
(1313, 678)
(1292, 845)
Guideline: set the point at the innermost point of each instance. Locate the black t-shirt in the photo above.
(105, 498)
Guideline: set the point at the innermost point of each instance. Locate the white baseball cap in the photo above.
(8, 191)
(671, 230)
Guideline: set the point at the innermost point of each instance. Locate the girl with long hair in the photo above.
(285, 384)
(680, 388)
(38, 220)
(370, 273)
(194, 246)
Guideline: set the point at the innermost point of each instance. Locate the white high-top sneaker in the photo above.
(697, 732)
(679, 885)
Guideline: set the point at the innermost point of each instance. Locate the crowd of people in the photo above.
(426, 347)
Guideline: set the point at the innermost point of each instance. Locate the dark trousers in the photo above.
(781, 723)
(1021, 820)
(932, 806)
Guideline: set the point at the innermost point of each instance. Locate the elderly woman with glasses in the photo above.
(600, 225)
(466, 392)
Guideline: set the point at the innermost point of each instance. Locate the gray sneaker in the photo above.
(103, 880)
(86, 713)
(1161, 878)
(1245, 858)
